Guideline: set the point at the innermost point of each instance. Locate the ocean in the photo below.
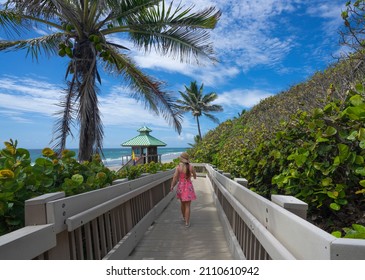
(114, 156)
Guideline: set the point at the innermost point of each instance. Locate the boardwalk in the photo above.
(168, 238)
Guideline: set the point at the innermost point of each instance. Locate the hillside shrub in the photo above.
(316, 156)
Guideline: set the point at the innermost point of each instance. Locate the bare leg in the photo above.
(187, 212)
(183, 209)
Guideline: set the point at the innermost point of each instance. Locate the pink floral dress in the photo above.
(185, 189)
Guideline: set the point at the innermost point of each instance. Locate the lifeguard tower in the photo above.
(144, 147)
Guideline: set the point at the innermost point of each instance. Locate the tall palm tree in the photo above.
(80, 31)
(198, 104)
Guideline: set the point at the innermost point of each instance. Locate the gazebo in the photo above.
(144, 147)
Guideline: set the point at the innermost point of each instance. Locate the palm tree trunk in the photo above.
(91, 131)
(197, 121)
(88, 126)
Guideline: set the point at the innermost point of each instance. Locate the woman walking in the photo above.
(185, 189)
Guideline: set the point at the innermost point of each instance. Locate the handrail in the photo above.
(301, 239)
(89, 225)
(88, 215)
(24, 243)
(272, 246)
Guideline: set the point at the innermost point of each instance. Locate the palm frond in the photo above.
(147, 90)
(174, 32)
(117, 11)
(39, 8)
(67, 114)
(212, 108)
(210, 97)
(211, 117)
(122, 10)
(47, 44)
(12, 22)
(117, 45)
(158, 17)
(180, 43)
(186, 99)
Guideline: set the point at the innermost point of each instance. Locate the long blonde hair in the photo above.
(186, 169)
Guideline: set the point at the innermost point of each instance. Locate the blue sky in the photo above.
(263, 46)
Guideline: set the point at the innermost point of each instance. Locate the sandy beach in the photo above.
(114, 168)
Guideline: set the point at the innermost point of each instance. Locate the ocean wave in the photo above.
(116, 161)
(172, 154)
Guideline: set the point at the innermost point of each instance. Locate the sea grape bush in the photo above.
(135, 171)
(321, 158)
(20, 180)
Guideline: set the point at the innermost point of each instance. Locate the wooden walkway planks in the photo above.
(168, 238)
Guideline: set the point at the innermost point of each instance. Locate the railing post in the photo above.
(35, 208)
(241, 181)
(36, 214)
(291, 204)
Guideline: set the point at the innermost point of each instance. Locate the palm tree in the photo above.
(198, 104)
(80, 31)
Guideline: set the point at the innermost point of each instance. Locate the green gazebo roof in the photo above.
(144, 139)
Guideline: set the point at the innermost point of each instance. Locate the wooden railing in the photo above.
(102, 224)
(259, 229)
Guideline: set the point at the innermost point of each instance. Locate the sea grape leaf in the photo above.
(335, 206)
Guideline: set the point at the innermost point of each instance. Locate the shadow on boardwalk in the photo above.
(168, 238)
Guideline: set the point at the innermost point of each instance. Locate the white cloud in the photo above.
(245, 98)
(22, 96)
(259, 33)
(118, 109)
(331, 12)
(25, 95)
(15, 116)
(210, 74)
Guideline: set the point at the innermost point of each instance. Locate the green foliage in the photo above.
(307, 142)
(133, 172)
(357, 231)
(20, 180)
(324, 165)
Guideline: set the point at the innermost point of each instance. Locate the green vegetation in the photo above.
(20, 180)
(357, 231)
(308, 142)
(133, 172)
